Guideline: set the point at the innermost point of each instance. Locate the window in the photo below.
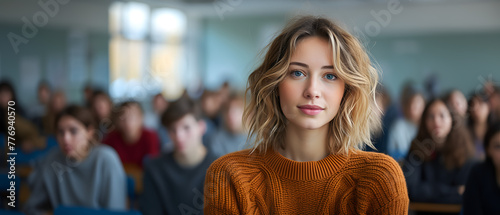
(147, 50)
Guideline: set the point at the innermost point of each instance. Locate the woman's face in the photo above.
(311, 93)
(102, 107)
(458, 103)
(493, 150)
(58, 102)
(438, 121)
(130, 122)
(5, 97)
(479, 110)
(73, 138)
(416, 108)
(233, 116)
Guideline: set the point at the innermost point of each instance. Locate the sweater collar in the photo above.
(310, 170)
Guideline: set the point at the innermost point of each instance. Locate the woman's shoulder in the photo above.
(104, 150)
(374, 164)
(372, 158)
(481, 169)
(379, 172)
(105, 155)
(238, 161)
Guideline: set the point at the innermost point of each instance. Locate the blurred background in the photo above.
(100, 53)
(138, 48)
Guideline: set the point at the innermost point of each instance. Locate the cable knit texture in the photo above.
(257, 183)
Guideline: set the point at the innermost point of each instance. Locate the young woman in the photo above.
(311, 110)
(101, 107)
(78, 172)
(482, 193)
(440, 157)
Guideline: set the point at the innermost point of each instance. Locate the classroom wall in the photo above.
(461, 60)
(67, 58)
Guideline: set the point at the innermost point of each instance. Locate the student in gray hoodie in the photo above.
(79, 172)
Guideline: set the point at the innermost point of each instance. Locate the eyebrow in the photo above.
(306, 66)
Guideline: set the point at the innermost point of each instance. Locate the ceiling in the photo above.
(415, 16)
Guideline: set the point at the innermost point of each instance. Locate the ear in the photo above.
(202, 125)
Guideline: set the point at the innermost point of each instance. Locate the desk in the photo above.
(432, 207)
(136, 173)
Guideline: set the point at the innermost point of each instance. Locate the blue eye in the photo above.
(330, 76)
(297, 73)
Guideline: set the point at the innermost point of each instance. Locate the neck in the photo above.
(305, 145)
(191, 157)
(131, 138)
(79, 157)
(479, 130)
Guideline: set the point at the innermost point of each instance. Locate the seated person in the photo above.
(152, 120)
(173, 182)
(403, 130)
(79, 172)
(130, 139)
(26, 134)
(440, 157)
(101, 107)
(482, 193)
(232, 135)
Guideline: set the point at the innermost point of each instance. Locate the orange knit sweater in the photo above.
(257, 183)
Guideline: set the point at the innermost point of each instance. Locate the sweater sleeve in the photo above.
(150, 200)
(472, 197)
(220, 192)
(114, 187)
(386, 187)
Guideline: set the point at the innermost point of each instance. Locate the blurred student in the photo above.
(87, 91)
(482, 193)
(494, 102)
(478, 122)
(152, 120)
(80, 172)
(130, 139)
(210, 106)
(56, 104)
(43, 97)
(404, 129)
(232, 135)
(312, 109)
(457, 103)
(390, 114)
(101, 107)
(173, 182)
(440, 157)
(26, 134)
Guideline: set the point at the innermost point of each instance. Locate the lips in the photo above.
(311, 109)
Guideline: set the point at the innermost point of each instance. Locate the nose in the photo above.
(312, 89)
(65, 138)
(177, 135)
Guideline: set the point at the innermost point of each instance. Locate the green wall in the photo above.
(55, 60)
(461, 61)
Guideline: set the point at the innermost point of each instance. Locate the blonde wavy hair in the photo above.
(358, 115)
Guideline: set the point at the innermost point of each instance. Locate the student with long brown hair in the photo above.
(311, 111)
(440, 156)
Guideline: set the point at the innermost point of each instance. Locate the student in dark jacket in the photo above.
(173, 182)
(440, 157)
(482, 193)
